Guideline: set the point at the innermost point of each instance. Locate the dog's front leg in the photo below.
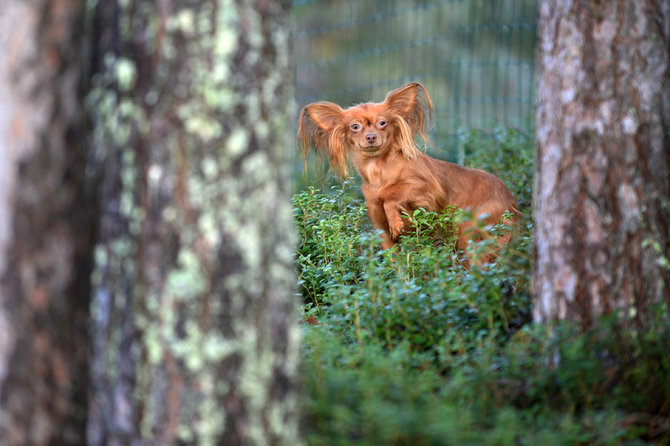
(378, 218)
(394, 218)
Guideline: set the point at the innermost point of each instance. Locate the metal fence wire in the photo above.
(475, 57)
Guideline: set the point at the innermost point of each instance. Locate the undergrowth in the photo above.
(405, 346)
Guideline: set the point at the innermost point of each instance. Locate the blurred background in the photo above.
(475, 57)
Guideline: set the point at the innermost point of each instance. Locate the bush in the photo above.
(405, 346)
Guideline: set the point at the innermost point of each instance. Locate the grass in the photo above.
(404, 346)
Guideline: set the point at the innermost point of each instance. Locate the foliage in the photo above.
(406, 346)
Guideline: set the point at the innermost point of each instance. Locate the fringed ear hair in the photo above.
(321, 130)
(406, 138)
(412, 104)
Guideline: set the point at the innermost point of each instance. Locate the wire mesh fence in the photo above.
(475, 57)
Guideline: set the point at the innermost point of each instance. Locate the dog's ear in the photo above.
(404, 99)
(412, 109)
(321, 129)
(325, 115)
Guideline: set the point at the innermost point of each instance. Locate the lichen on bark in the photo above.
(210, 344)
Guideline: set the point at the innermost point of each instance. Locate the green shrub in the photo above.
(416, 293)
(405, 346)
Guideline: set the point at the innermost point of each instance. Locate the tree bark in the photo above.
(45, 215)
(602, 212)
(195, 337)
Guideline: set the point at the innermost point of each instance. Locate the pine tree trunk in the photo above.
(45, 216)
(602, 209)
(195, 338)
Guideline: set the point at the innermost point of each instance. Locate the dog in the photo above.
(380, 139)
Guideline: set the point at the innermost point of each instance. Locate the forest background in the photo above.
(169, 275)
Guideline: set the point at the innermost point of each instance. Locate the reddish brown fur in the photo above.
(398, 178)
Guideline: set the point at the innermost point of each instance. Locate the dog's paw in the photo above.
(396, 228)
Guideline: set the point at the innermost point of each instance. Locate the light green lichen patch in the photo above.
(209, 427)
(208, 227)
(210, 168)
(226, 42)
(126, 74)
(216, 348)
(153, 342)
(204, 127)
(183, 21)
(187, 280)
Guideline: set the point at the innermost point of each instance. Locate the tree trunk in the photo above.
(195, 338)
(602, 212)
(45, 214)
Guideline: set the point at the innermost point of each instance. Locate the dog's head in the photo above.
(372, 129)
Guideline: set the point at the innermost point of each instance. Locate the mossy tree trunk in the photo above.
(45, 216)
(602, 191)
(195, 338)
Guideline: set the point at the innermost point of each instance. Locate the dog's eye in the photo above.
(355, 127)
(381, 124)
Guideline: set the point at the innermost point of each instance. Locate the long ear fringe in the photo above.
(336, 152)
(415, 119)
(324, 144)
(406, 137)
(420, 116)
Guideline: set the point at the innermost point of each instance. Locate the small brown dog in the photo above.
(398, 177)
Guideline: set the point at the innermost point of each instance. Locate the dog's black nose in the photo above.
(371, 137)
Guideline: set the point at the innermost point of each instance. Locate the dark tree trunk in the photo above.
(602, 207)
(45, 216)
(195, 338)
